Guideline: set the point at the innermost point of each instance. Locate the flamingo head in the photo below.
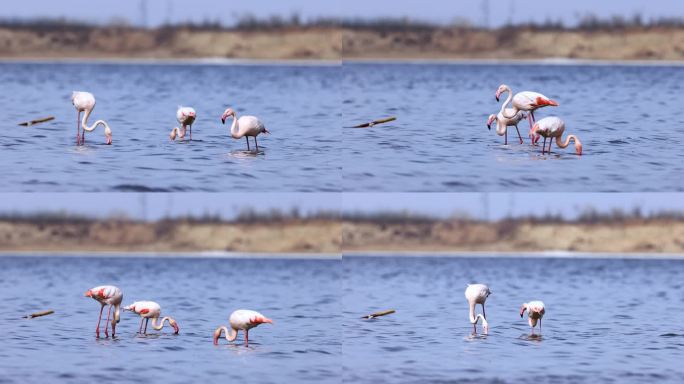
(108, 136)
(502, 89)
(88, 293)
(129, 308)
(174, 324)
(229, 112)
(264, 130)
(522, 310)
(173, 133)
(578, 147)
(490, 120)
(485, 326)
(217, 335)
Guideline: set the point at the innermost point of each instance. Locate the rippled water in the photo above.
(628, 118)
(606, 320)
(301, 296)
(298, 104)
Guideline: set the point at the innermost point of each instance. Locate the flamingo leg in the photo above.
(246, 337)
(540, 326)
(483, 312)
(506, 137)
(78, 128)
(99, 319)
(256, 143)
(544, 146)
(142, 319)
(247, 138)
(550, 142)
(190, 131)
(146, 321)
(109, 311)
(519, 137)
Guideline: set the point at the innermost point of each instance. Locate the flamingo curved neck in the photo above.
(178, 132)
(473, 318)
(234, 128)
(561, 144)
(117, 314)
(231, 334)
(158, 325)
(500, 128)
(84, 122)
(505, 104)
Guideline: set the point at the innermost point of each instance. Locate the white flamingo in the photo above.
(242, 319)
(477, 294)
(186, 117)
(150, 310)
(245, 126)
(553, 127)
(107, 295)
(85, 102)
(523, 101)
(502, 123)
(535, 312)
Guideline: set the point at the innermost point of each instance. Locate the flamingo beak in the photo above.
(267, 131)
(217, 335)
(578, 149)
(223, 119)
(175, 327)
(267, 320)
(88, 294)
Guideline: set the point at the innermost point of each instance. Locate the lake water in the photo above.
(298, 104)
(607, 321)
(628, 118)
(301, 296)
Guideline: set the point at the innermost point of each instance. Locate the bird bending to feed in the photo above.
(535, 311)
(107, 295)
(186, 117)
(502, 123)
(241, 319)
(477, 294)
(245, 126)
(150, 310)
(523, 101)
(85, 102)
(552, 126)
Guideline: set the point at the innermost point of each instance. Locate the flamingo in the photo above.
(552, 126)
(85, 102)
(186, 117)
(107, 295)
(535, 311)
(523, 101)
(502, 123)
(242, 319)
(150, 310)
(477, 294)
(245, 126)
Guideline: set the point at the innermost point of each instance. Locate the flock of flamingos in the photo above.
(244, 126)
(523, 106)
(244, 320)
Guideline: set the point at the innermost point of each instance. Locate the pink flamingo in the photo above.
(241, 319)
(107, 295)
(552, 126)
(85, 102)
(524, 101)
(502, 124)
(150, 310)
(186, 117)
(477, 294)
(535, 311)
(245, 126)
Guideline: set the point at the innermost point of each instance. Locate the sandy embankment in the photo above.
(630, 237)
(316, 236)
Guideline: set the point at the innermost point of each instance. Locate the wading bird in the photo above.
(535, 311)
(241, 319)
(523, 101)
(477, 294)
(150, 310)
(502, 123)
(245, 126)
(107, 295)
(186, 117)
(85, 102)
(553, 127)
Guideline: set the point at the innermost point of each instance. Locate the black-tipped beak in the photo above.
(489, 126)
(497, 98)
(223, 120)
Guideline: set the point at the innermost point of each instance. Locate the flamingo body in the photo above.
(535, 313)
(244, 126)
(503, 122)
(107, 295)
(553, 127)
(524, 101)
(477, 294)
(85, 102)
(186, 117)
(242, 319)
(151, 310)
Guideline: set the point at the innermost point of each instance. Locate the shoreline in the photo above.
(550, 61)
(205, 61)
(175, 255)
(514, 255)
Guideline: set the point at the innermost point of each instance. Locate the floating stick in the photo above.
(37, 121)
(372, 123)
(39, 314)
(378, 314)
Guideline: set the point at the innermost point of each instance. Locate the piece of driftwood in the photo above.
(376, 122)
(39, 314)
(37, 121)
(378, 314)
